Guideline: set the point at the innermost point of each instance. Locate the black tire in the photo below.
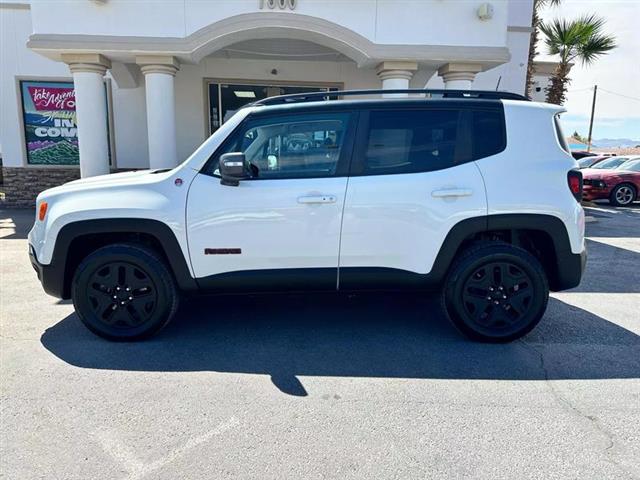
(124, 292)
(623, 195)
(495, 292)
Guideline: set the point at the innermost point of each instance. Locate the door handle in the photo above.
(452, 192)
(317, 199)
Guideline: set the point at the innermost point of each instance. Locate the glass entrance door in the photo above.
(226, 98)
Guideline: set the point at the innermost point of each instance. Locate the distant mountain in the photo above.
(615, 142)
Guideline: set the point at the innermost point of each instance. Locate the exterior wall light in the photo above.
(485, 11)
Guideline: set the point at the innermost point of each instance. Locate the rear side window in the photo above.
(412, 141)
(488, 133)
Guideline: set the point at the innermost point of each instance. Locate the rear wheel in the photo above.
(496, 292)
(623, 195)
(124, 292)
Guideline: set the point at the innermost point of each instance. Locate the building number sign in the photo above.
(278, 4)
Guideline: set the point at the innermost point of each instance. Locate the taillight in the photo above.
(42, 211)
(574, 178)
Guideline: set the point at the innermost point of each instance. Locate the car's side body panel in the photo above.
(140, 195)
(56, 274)
(400, 222)
(530, 176)
(376, 231)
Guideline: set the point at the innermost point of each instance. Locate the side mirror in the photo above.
(233, 169)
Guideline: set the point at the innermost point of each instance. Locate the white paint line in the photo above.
(137, 469)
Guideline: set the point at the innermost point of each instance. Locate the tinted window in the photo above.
(632, 166)
(611, 163)
(297, 146)
(488, 133)
(587, 161)
(409, 141)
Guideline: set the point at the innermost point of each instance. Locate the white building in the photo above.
(154, 78)
(542, 79)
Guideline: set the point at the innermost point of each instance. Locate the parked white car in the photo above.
(472, 193)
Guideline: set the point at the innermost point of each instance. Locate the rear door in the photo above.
(413, 178)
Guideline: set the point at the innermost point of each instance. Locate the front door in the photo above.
(281, 228)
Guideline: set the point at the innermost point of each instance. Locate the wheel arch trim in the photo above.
(56, 278)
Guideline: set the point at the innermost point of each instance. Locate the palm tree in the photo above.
(581, 39)
(538, 5)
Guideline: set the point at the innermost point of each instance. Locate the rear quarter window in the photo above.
(560, 135)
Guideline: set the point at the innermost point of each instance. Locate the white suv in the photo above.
(472, 193)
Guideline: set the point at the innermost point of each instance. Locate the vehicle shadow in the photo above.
(374, 335)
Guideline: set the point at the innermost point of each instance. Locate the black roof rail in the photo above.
(431, 93)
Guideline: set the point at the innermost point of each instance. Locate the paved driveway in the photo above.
(326, 386)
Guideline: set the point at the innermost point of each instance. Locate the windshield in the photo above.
(631, 166)
(611, 163)
(587, 161)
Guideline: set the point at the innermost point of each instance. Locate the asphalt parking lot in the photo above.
(326, 386)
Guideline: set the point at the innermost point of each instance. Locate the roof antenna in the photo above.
(498, 84)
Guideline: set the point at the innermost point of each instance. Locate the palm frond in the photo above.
(594, 47)
(581, 37)
(539, 4)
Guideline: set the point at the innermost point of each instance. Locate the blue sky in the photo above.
(616, 74)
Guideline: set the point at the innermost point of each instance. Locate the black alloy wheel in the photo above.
(124, 292)
(121, 294)
(496, 292)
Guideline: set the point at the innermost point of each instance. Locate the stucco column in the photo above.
(459, 76)
(91, 111)
(396, 75)
(159, 73)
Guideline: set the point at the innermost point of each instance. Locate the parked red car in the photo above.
(620, 185)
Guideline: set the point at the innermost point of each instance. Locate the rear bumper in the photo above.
(570, 270)
(51, 277)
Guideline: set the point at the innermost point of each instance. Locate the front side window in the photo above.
(294, 146)
(410, 141)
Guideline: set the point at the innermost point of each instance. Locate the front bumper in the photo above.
(590, 192)
(51, 277)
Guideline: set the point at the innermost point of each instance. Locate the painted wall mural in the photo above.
(49, 122)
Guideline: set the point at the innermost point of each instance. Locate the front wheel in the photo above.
(124, 292)
(496, 292)
(622, 195)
